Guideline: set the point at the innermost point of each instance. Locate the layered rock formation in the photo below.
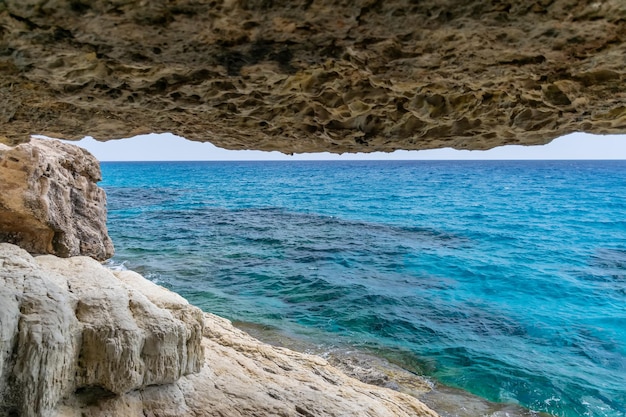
(323, 75)
(50, 202)
(77, 339)
(72, 331)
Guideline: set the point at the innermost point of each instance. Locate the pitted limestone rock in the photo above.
(304, 76)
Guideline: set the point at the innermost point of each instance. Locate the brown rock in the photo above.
(49, 200)
(324, 75)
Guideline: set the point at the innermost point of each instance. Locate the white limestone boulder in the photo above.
(70, 329)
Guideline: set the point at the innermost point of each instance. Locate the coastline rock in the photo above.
(50, 202)
(305, 76)
(38, 337)
(128, 342)
(79, 340)
(73, 332)
(269, 381)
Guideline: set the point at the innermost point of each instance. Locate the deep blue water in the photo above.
(505, 278)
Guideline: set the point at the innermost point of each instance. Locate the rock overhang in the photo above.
(307, 76)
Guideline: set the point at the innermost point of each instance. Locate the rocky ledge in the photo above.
(77, 339)
(324, 75)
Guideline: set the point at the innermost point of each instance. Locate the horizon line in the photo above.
(369, 160)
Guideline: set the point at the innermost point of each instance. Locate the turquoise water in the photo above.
(504, 279)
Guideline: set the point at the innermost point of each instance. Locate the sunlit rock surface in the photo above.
(50, 201)
(78, 340)
(303, 76)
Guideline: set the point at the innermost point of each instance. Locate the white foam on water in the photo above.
(116, 266)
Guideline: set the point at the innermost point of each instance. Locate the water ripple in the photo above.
(507, 280)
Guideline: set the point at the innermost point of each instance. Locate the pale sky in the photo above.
(168, 147)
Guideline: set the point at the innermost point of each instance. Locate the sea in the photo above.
(500, 280)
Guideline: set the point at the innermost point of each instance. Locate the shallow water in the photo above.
(503, 279)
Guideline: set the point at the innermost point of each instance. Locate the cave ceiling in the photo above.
(314, 75)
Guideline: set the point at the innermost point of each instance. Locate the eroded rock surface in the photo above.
(271, 381)
(323, 75)
(73, 334)
(78, 340)
(50, 201)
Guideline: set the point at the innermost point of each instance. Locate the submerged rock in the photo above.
(324, 75)
(79, 340)
(50, 202)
